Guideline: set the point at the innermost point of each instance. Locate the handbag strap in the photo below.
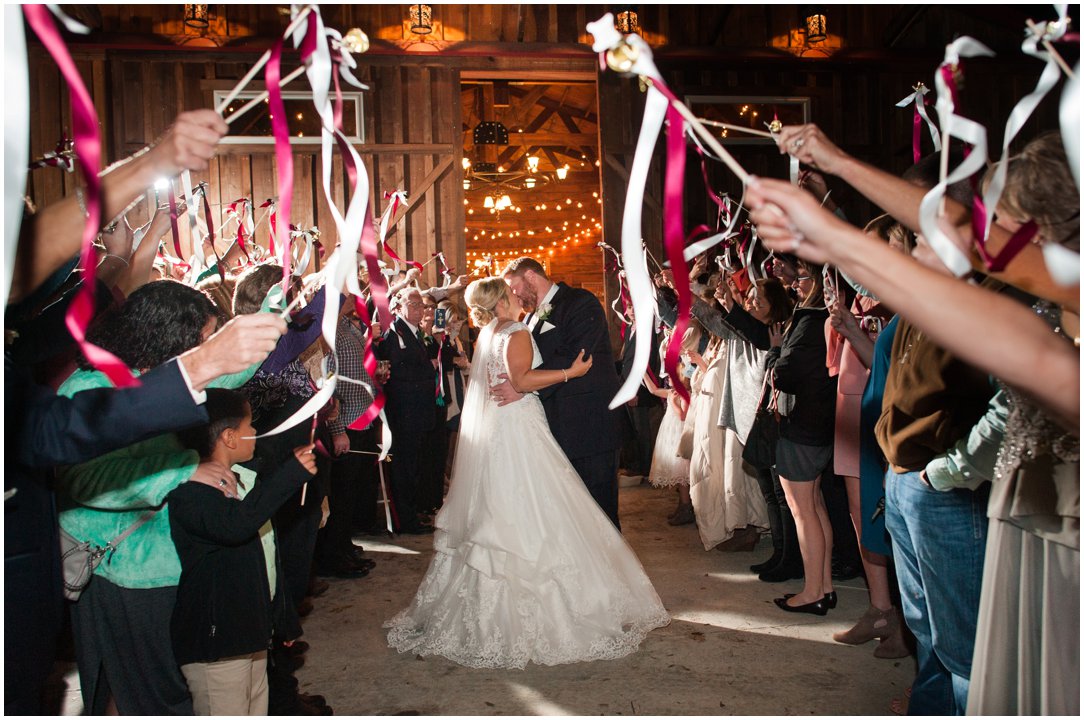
(112, 544)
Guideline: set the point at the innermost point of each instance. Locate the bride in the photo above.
(526, 568)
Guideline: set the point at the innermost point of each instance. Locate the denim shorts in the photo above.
(801, 463)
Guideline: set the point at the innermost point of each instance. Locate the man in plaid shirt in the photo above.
(353, 476)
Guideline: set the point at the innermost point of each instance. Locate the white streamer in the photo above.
(606, 38)
(1069, 116)
(917, 98)
(70, 23)
(16, 135)
(953, 125)
(199, 262)
(1023, 110)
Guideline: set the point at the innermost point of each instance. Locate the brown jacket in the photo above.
(931, 400)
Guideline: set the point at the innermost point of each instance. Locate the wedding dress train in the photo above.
(526, 568)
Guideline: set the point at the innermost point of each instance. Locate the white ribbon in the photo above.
(1023, 110)
(917, 98)
(708, 243)
(606, 38)
(953, 125)
(70, 23)
(385, 218)
(195, 237)
(1069, 115)
(16, 134)
(311, 407)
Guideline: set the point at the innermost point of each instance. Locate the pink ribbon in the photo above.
(674, 236)
(283, 154)
(243, 202)
(172, 197)
(394, 197)
(85, 132)
(916, 136)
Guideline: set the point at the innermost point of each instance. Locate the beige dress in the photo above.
(1027, 644)
(724, 492)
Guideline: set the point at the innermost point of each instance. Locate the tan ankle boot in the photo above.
(892, 645)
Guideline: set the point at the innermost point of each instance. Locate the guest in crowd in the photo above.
(230, 593)
(121, 621)
(353, 468)
(411, 393)
(806, 400)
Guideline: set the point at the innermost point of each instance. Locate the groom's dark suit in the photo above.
(578, 411)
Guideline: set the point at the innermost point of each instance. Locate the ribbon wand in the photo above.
(312, 439)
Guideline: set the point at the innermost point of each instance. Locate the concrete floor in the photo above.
(728, 651)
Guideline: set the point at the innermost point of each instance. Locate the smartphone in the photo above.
(440, 319)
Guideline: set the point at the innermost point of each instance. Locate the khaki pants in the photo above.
(232, 686)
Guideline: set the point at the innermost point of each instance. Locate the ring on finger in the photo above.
(222, 483)
(797, 143)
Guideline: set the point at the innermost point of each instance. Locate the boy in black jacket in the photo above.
(222, 622)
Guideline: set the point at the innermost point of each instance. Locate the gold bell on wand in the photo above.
(623, 57)
(355, 41)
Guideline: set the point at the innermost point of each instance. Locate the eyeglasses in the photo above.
(800, 278)
(414, 303)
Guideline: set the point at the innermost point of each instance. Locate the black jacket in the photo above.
(799, 368)
(223, 604)
(412, 388)
(579, 410)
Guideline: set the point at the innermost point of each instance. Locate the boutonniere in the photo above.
(544, 312)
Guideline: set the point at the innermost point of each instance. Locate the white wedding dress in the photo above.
(527, 568)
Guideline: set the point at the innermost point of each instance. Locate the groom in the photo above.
(563, 321)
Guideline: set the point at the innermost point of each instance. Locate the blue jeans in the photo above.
(939, 542)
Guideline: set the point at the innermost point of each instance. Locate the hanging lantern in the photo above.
(627, 22)
(421, 19)
(466, 184)
(488, 204)
(532, 163)
(529, 183)
(816, 23)
(562, 172)
(195, 16)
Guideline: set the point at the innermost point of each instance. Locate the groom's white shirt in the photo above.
(533, 320)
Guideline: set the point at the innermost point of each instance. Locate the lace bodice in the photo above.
(497, 362)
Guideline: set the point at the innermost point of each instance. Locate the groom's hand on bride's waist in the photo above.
(503, 393)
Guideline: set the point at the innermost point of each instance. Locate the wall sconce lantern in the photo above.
(816, 23)
(421, 19)
(627, 21)
(195, 16)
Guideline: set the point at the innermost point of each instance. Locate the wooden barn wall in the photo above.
(413, 116)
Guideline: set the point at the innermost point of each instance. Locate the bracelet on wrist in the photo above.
(118, 257)
(565, 374)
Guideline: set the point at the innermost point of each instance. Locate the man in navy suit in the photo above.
(411, 392)
(563, 321)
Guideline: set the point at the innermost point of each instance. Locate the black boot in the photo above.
(789, 566)
(775, 519)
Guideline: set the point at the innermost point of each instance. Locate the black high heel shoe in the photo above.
(830, 599)
(817, 607)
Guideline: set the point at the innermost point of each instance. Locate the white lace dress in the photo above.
(526, 568)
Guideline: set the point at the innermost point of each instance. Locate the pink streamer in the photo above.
(916, 137)
(674, 236)
(85, 132)
(283, 155)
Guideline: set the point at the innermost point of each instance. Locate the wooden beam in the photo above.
(900, 23)
(416, 193)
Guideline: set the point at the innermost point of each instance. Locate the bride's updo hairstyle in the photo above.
(482, 297)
